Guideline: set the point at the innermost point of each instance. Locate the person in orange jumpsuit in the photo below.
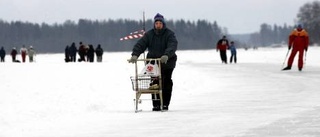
(299, 41)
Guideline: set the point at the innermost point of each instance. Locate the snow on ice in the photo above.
(253, 98)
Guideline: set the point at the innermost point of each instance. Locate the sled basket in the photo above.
(144, 83)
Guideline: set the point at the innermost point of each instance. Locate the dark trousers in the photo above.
(233, 58)
(166, 88)
(73, 58)
(223, 56)
(13, 58)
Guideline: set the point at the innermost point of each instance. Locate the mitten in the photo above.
(133, 59)
(164, 59)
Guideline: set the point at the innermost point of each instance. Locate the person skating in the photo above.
(233, 51)
(222, 46)
(299, 42)
(161, 43)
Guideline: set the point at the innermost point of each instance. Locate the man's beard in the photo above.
(158, 31)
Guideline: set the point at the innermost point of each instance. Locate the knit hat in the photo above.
(159, 17)
(299, 26)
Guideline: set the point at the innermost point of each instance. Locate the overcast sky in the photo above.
(239, 16)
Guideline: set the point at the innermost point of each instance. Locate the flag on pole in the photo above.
(133, 35)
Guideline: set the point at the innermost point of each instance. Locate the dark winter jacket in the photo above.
(73, 50)
(14, 52)
(164, 43)
(99, 51)
(90, 53)
(2, 52)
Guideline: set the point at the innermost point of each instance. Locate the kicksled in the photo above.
(147, 80)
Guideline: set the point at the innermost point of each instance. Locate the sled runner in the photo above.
(148, 81)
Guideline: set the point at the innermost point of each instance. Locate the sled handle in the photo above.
(148, 59)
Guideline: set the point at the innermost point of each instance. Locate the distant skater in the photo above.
(31, 54)
(13, 54)
(23, 52)
(99, 53)
(222, 46)
(2, 54)
(233, 51)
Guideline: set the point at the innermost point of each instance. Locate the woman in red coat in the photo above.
(23, 52)
(299, 41)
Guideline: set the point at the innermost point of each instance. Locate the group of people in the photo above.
(86, 53)
(30, 52)
(162, 43)
(298, 41)
(222, 46)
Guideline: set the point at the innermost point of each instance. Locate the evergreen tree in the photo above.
(309, 17)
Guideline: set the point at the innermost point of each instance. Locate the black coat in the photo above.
(2, 52)
(164, 43)
(99, 51)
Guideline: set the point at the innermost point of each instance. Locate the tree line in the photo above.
(54, 38)
(308, 16)
(200, 34)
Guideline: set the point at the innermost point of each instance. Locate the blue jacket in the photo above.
(233, 49)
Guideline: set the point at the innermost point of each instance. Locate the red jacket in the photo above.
(299, 40)
(222, 44)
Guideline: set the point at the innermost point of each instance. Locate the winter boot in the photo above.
(287, 68)
(165, 108)
(156, 108)
(300, 69)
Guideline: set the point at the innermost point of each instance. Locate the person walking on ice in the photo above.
(299, 42)
(2, 54)
(161, 43)
(23, 52)
(13, 54)
(31, 54)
